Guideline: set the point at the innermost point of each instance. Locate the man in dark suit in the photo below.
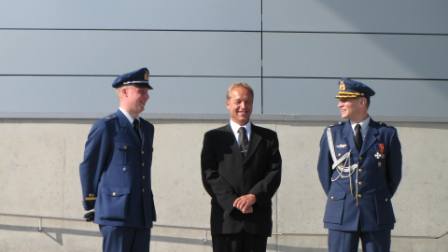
(241, 170)
(116, 170)
(359, 168)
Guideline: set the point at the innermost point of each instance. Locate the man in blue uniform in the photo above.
(359, 169)
(116, 170)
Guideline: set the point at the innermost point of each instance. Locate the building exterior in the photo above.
(58, 60)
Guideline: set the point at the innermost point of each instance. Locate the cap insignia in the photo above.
(146, 76)
(341, 86)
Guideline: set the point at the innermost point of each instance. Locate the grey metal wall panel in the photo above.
(197, 95)
(394, 98)
(405, 16)
(299, 96)
(335, 55)
(132, 14)
(52, 51)
(112, 52)
(25, 95)
(86, 97)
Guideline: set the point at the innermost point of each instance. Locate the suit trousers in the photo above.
(125, 239)
(343, 241)
(241, 242)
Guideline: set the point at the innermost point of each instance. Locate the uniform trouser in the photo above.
(343, 241)
(124, 239)
(241, 242)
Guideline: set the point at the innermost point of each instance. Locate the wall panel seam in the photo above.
(227, 30)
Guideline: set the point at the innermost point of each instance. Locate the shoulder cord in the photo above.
(344, 170)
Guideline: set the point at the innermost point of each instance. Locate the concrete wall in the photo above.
(39, 178)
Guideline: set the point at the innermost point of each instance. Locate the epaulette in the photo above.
(383, 124)
(111, 116)
(335, 124)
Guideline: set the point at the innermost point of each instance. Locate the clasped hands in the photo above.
(244, 203)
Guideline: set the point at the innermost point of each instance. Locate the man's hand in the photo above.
(244, 203)
(89, 216)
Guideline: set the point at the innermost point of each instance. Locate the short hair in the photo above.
(241, 85)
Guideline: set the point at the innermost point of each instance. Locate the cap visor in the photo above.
(142, 85)
(346, 96)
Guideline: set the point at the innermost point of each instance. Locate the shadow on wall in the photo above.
(416, 40)
(361, 17)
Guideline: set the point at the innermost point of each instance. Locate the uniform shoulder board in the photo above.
(383, 124)
(334, 124)
(111, 116)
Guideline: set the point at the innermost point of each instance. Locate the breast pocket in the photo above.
(113, 203)
(335, 207)
(340, 149)
(123, 152)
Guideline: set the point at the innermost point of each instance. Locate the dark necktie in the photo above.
(358, 136)
(136, 125)
(243, 141)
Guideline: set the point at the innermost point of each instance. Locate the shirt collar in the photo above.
(235, 127)
(364, 125)
(128, 116)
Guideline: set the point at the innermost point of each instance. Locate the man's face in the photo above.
(136, 98)
(239, 105)
(351, 108)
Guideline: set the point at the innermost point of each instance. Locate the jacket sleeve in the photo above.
(393, 163)
(95, 157)
(215, 185)
(266, 188)
(324, 164)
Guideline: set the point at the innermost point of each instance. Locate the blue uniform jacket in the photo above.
(116, 173)
(367, 206)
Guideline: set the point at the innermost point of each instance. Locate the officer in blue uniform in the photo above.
(359, 169)
(116, 170)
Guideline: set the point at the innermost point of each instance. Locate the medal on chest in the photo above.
(380, 153)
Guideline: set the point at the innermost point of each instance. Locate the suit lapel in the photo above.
(234, 146)
(371, 137)
(255, 139)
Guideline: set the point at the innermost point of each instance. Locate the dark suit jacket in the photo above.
(378, 178)
(226, 175)
(117, 171)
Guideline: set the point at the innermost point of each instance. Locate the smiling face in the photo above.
(133, 99)
(239, 104)
(354, 109)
